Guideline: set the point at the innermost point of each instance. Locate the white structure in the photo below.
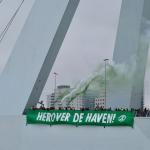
(88, 99)
(85, 100)
(50, 100)
(54, 99)
(16, 135)
(33, 56)
(132, 49)
(27, 71)
(76, 104)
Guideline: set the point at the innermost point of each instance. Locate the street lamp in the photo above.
(105, 60)
(55, 84)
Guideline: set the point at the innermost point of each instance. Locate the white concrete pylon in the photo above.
(131, 48)
(32, 58)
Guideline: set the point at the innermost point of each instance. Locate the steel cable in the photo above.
(3, 33)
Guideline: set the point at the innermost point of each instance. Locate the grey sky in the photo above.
(89, 40)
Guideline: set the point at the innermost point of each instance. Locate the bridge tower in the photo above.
(131, 48)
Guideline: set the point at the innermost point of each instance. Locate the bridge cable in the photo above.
(3, 33)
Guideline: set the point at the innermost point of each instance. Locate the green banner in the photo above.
(78, 118)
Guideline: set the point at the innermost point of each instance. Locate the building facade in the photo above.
(85, 100)
(50, 100)
(99, 102)
(54, 99)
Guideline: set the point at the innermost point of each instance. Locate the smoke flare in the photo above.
(116, 73)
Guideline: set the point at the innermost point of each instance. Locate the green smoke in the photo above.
(117, 74)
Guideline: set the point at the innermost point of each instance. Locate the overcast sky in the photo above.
(90, 39)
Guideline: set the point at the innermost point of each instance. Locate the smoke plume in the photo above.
(120, 74)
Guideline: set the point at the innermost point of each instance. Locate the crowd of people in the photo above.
(145, 112)
(142, 112)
